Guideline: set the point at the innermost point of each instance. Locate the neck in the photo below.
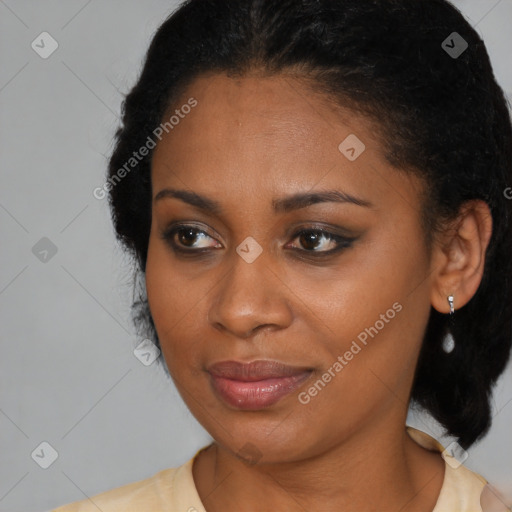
(380, 469)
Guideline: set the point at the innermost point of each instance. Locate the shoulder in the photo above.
(168, 490)
(462, 488)
(128, 497)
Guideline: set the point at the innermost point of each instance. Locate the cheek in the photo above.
(172, 287)
(162, 292)
(365, 284)
(374, 308)
(179, 297)
(173, 302)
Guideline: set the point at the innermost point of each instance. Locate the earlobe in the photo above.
(460, 257)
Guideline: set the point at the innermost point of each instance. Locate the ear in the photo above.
(458, 258)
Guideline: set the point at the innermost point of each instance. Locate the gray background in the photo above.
(68, 375)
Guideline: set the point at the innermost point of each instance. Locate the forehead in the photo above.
(260, 117)
(258, 134)
(273, 104)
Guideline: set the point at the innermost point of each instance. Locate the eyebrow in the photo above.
(281, 205)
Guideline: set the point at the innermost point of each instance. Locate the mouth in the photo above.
(255, 385)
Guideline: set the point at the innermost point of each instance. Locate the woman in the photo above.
(313, 192)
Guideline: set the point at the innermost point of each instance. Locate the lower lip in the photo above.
(258, 394)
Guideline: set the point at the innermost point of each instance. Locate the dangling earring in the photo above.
(449, 342)
(450, 301)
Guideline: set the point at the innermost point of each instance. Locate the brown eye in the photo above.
(187, 236)
(310, 240)
(318, 241)
(190, 239)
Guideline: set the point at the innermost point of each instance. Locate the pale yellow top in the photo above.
(173, 490)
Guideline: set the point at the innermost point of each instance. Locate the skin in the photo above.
(248, 141)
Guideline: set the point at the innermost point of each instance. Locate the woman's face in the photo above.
(239, 270)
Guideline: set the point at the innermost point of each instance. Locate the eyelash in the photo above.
(342, 242)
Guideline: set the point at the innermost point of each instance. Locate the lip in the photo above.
(255, 385)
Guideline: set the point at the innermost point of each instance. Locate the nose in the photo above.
(251, 297)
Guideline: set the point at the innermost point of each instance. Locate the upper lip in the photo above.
(255, 370)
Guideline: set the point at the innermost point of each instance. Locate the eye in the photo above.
(320, 241)
(189, 239)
